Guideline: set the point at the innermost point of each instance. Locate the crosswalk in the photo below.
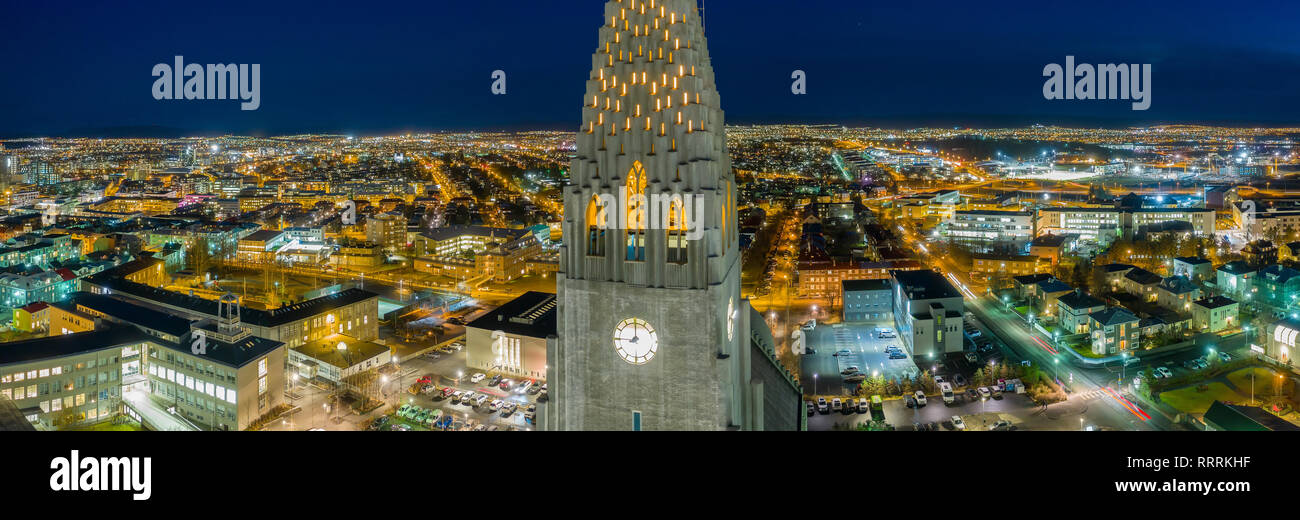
(1091, 395)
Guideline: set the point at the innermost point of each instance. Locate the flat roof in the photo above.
(866, 285)
(51, 347)
(1215, 302)
(532, 314)
(132, 313)
(924, 284)
(327, 350)
(261, 318)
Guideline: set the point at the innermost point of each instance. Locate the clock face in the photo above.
(635, 341)
(731, 319)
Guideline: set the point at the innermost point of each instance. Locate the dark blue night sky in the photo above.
(386, 67)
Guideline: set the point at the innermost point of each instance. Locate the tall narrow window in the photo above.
(636, 213)
(676, 232)
(596, 225)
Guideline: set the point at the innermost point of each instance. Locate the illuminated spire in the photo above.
(651, 115)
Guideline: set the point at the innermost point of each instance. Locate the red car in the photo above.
(446, 392)
(425, 380)
(506, 384)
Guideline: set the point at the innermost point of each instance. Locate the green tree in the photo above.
(927, 382)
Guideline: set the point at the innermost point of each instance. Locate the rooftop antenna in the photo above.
(701, 14)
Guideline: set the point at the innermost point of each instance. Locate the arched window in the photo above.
(677, 232)
(596, 225)
(637, 209)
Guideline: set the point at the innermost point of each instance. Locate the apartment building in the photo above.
(1114, 330)
(65, 380)
(984, 231)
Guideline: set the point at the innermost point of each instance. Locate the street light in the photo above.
(814, 384)
(1123, 366)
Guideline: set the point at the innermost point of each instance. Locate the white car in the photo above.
(1164, 372)
(836, 404)
(985, 393)
(477, 377)
(920, 398)
(957, 423)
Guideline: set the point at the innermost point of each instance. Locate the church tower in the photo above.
(652, 333)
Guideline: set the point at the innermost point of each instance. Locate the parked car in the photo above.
(448, 391)
(477, 377)
(811, 409)
(1001, 425)
(1164, 372)
(506, 384)
(855, 378)
(862, 405)
(480, 400)
(843, 352)
(495, 380)
(959, 380)
(972, 394)
(920, 398)
(911, 402)
(836, 404)
(957, 423)
(822, 406)
(542, 397)
(523, 387)
(1225, 357)
(535, 388)
(985, 393)
(850, 370)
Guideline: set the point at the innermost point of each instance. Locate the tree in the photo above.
(927, 382)
(980, 378)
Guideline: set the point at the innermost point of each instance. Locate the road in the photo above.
(1027, 343)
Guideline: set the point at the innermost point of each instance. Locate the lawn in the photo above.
(1085, 350)
(1189, 400)
(1264, 383)
(108, 426)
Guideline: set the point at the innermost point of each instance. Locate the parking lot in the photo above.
(837, 347)
(977, 414)
(448, 371)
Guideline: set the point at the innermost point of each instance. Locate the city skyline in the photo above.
(399, 69)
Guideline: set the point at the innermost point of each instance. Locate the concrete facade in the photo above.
(652, 126)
